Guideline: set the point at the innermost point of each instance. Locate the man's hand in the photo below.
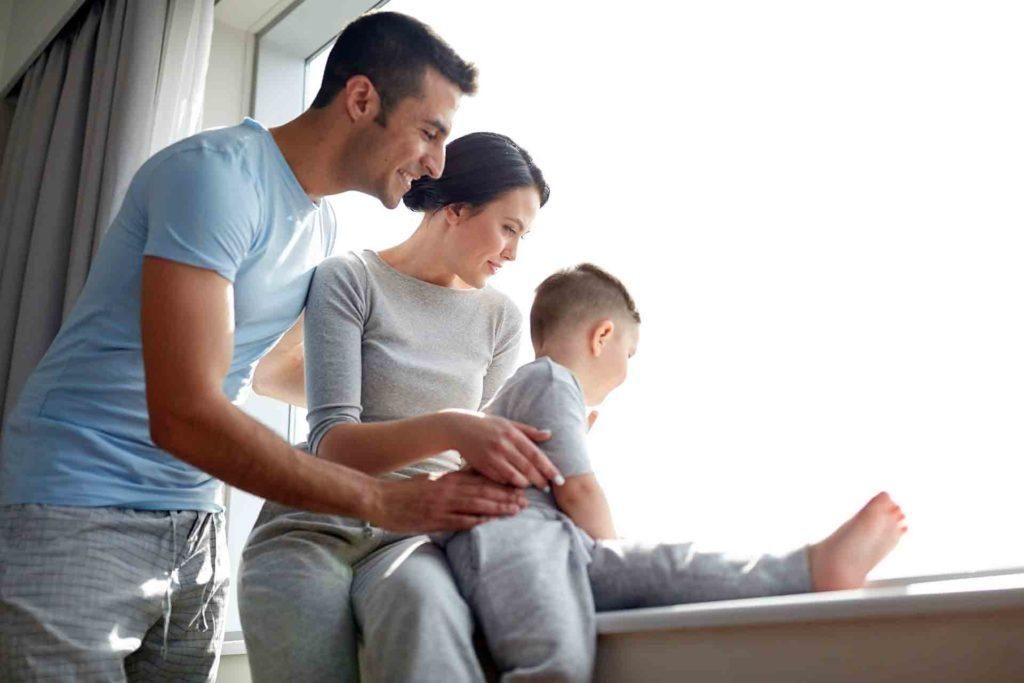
(451, 502)
(501, 450)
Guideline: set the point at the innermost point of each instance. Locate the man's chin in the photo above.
(389, 201)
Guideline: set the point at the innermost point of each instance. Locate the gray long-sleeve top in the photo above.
(381, 345)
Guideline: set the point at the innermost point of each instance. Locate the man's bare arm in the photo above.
(187, 342)
(583, 499)
(281, 374)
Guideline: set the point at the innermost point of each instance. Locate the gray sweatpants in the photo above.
(312, 585)
(534, 582)
(109, 594)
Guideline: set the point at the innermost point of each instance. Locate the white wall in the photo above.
(229, 76)
(32, 25)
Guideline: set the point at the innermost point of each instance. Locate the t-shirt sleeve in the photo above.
(557, 407)
(336, 311)
(202, 209)
(506, 351)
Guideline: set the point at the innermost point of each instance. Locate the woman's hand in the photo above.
(450, 502)
(501, 450)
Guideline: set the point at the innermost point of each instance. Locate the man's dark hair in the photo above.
(478, 168)
(569, 295)
(394, 51)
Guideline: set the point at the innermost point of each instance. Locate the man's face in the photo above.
(411, 144)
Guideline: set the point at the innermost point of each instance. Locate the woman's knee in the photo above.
(295, 585)
(413, 587)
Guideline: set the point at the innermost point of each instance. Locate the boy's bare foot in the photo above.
(843, 560)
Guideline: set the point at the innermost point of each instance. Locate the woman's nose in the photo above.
(510, 251)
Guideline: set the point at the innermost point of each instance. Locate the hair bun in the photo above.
(423, 195)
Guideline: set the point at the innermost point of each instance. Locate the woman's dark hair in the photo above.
(478, 167)
(392, 50)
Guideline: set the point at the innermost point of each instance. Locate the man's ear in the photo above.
(360, 99)
(600, 335)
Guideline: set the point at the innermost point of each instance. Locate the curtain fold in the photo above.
(122, 80)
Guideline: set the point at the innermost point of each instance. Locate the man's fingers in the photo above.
(471, 505)
(461, 522)
(473, 485)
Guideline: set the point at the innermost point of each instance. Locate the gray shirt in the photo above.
(548, 396)
(381, 345)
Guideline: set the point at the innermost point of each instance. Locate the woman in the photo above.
(396, 344)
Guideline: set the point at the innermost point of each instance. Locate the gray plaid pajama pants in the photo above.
(110, 594)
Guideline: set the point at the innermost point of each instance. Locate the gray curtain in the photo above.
(122, 80)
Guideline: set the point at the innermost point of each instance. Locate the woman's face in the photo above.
(485, 238)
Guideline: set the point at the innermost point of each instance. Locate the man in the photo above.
(112, 540)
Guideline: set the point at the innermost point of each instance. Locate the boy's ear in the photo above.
(601, 335)
(360, 99)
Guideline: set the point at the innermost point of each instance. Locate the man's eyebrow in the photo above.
(441, 128)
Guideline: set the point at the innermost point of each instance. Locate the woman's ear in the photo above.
(455, 213)
(360, 99)
(600, 335)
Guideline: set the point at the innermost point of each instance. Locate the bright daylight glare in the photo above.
(817, 207)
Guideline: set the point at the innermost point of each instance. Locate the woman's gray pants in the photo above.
(312, 585)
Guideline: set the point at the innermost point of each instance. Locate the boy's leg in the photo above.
(185, 644)
(79, 588)
(526, 581)
(294, 596)
(628, 574)
(415, 625)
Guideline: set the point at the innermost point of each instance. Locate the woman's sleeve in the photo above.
(506, 351)
(336, 310)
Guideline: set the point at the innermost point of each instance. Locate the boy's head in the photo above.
(397, 85)
(585, 318)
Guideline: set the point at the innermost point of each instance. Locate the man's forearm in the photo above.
(220, 439)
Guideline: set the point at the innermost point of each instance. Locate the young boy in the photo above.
(536, 579)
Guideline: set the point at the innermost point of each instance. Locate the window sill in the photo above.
(911, 596)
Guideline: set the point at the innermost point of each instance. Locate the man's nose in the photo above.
(434, 163)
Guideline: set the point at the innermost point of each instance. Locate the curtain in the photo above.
(122, 80)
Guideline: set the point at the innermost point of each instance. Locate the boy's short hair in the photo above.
(575, 293)
(392, 50)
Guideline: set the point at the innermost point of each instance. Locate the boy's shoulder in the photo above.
(540, 379)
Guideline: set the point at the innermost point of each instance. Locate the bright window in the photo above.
(817, 208)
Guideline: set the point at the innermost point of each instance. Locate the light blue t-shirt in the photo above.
(225, 200)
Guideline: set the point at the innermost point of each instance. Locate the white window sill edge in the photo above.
(909, 596)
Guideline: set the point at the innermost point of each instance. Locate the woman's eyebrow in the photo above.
(516, 221)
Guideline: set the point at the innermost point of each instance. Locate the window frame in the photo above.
(283, 48)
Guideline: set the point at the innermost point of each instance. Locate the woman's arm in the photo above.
(583, 499)
(281, 373)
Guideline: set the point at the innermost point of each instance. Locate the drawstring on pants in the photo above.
(172, 577)
(209, 588)
(200, 527)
